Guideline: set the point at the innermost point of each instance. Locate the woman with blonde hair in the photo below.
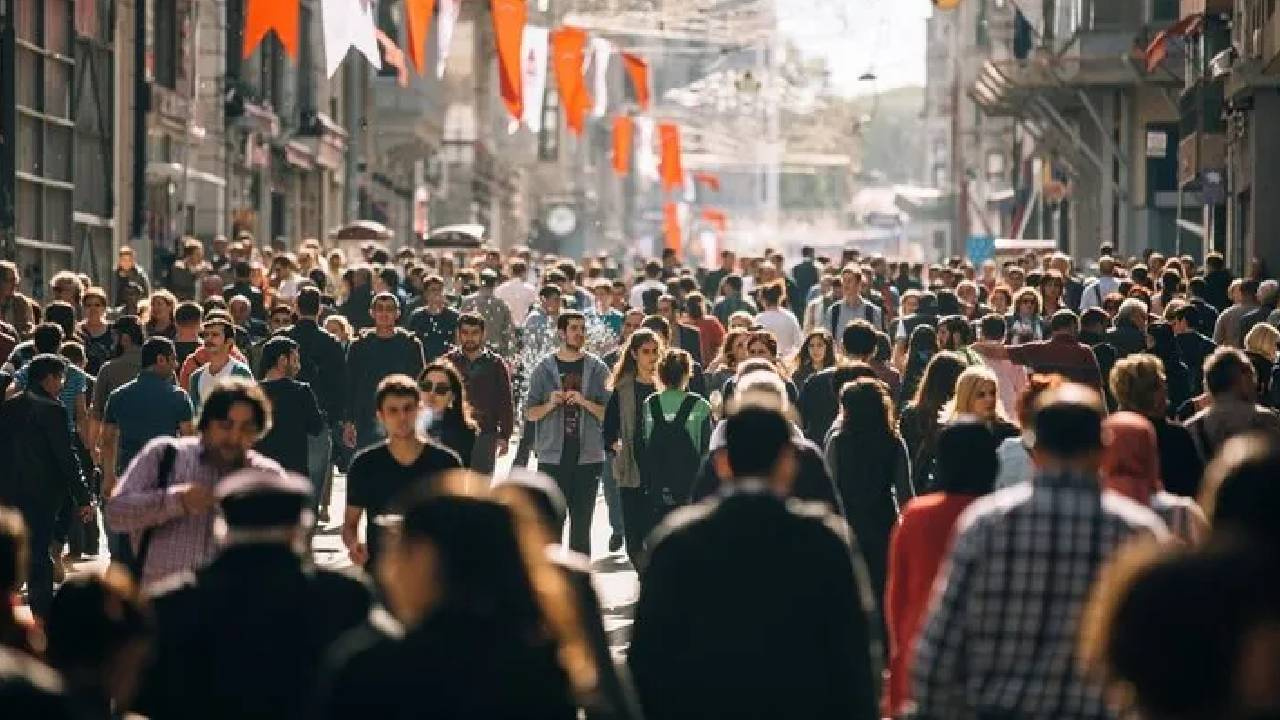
(1260, 345)
(978, 396)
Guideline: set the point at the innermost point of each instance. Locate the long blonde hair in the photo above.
(967, 385)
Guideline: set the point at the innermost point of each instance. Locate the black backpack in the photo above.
(669, 461)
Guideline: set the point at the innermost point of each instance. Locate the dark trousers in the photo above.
(484, 455)
(579, 483)
(526, 444)
(40, 529)
(637, 522)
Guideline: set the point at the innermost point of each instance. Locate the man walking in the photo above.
(295, 415)
(125, 362)
(499, 328)
(386, 351)
(853, 306)
(1231, 379)
(517, 293)
(435, 323)
(168, 505)
(1062, 354)
(567, 398)
(219, 341)
(39, 468)
(1000, 639)
(488, 384)
(324, 368)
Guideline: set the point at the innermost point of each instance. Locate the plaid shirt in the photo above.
(1001, 635)
(180, 542)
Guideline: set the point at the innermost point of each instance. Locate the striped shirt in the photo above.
(180, 542)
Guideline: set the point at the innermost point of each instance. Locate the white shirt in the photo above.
(207, 379)
(519, 297)
(288, 289)
(637, 292)
(1097, 290)
(784, 327)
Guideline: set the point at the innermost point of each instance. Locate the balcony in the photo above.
(1201, 7)
(1199, 152)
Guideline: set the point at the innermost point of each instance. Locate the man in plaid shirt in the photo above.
(1001, 635)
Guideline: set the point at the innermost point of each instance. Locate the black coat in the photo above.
(38, 463)
(324, 366)
(753, 607)
(813, 479)
(1194, 349)
(1126, 338)
(257, 307)
(691, 342)
(245, 636)
(615, 698)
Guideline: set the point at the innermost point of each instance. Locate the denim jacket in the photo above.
(548, 441)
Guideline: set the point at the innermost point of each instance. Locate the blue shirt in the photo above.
(143, 409)
(74, 383)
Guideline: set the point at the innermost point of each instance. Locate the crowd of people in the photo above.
(851, 487)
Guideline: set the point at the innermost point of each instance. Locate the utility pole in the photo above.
(141, 105)
(959, 224)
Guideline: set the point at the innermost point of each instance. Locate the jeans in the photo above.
(579, 484)
(40, 529)
(638, 514)
(526, 444)
(319, 465)
(610, 484)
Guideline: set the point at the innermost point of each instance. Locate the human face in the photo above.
(470, 338)
(160, 309)
(337, 329)
(1000, 302)
(215, 338)
(399, 416)
(967, 294)
(667, 310)
(432, 397)
(740, 323)
(817, 348)
(385, 314)
(65, 291)
(574, 334)
(126, 261)
(646, 357)
(94, 308)
(228, 440)
(851, 283)
(279, 321)
(910, 304)
(52, 385)
(603, 296)
(631, 323)
(738, 351)
(759, 349)
(294, 364)
(984, 400)
(551, 304)
(240, 311)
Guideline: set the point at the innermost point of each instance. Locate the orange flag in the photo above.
(716, 219)
(417, 19)
(711, 180)
(263, 16)
(568, 52)
(638, 71)
(623, 130)
(508, 32)
(672, 237)
(672, 171)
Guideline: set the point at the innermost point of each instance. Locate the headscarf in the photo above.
(1130, 457)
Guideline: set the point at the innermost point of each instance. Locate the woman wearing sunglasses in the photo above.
(448, 415)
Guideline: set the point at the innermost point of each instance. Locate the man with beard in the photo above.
(488, 385)
(165, 499)
(435, 323)
(293, 407)
(376, 355)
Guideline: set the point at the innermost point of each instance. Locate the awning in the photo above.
(1158, 49)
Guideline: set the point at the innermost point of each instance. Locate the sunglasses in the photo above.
(442, 388)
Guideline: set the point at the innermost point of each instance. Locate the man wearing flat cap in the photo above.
(244, 636)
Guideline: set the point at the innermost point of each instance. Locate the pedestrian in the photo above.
(710, 332)
(357, 303)
(376, 355)
(566, 398)
(517, 293)
(1060, 530)
(187, 320)
(921, 419)
(241, 285)
(1139, 385)
(160, 308)
(165, 498)
(677, 435)
(127, 272)
(966, 468)
(16, 309)
(683, 336)
(1240, 494)
(499, 328)
(382, 471)
(1193, 347)
(632, 381)
(789, 573)
(93, 331)
(819, 401)
(853, 306)
(435, 324)
(490, 629)
(1164, 346)
(817, 353)
(1234, 409)
(921, 348)
(219, 340)
(17, 631)
(264, 659)
(732, 301)
(1260, 346)
(39, 468)
(448, 414)
(869, 463)
(295, 414)
(779, 321)
(1062, 354)
(323, 366)
(977, 395)
(1131, 467)
(488, 387)
(46, 337)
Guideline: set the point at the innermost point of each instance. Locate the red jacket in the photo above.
(917, 547)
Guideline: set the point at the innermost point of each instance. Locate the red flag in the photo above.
(263, 16)
(711, 180)
(623, 130)
(508, 33)
(672, 171)
(568, 48)
(638, 71)
(716, 219)
(417, 19)
(672, 237)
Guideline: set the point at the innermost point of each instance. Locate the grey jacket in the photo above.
(625, 468)
(548, 441)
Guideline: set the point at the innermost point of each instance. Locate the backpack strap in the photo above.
(163, 475)
(686, 409)
(655, 411)
(834, 316)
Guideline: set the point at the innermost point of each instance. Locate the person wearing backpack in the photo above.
(677, 435)
(853, 306)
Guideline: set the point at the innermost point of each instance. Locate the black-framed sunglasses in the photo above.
(442, 388)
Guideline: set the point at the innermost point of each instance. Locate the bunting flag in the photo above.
(348, 23)
(508, 33)
(394, 56)
(568, 48)
(646, 161)
(672, 237)
(716, 219)
(417, 20)
(711, 180)
(449, 12)
(638, 71)
(623, 132)
(672, 170)
(535, 75)
(601, 51)
(264, 16)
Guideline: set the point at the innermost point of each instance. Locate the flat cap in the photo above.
(260, 498)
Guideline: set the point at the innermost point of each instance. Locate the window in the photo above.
(306, 63)
(164, 43)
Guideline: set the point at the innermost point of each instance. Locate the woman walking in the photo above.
(448, 412)
(634, 379)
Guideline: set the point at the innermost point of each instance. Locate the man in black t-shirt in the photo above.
(381, 472)
(294, 412)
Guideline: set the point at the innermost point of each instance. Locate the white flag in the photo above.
(365, 35)
(646, 159)
(448, 19)
(601, 51)
(534, 68)
(346, 23)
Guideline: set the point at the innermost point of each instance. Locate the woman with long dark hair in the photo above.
(921, 348)
(160, 315)
(869, 462)
(920, 420)
(444, 397)
(634, 379)
(817, 352)
(733, 350)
